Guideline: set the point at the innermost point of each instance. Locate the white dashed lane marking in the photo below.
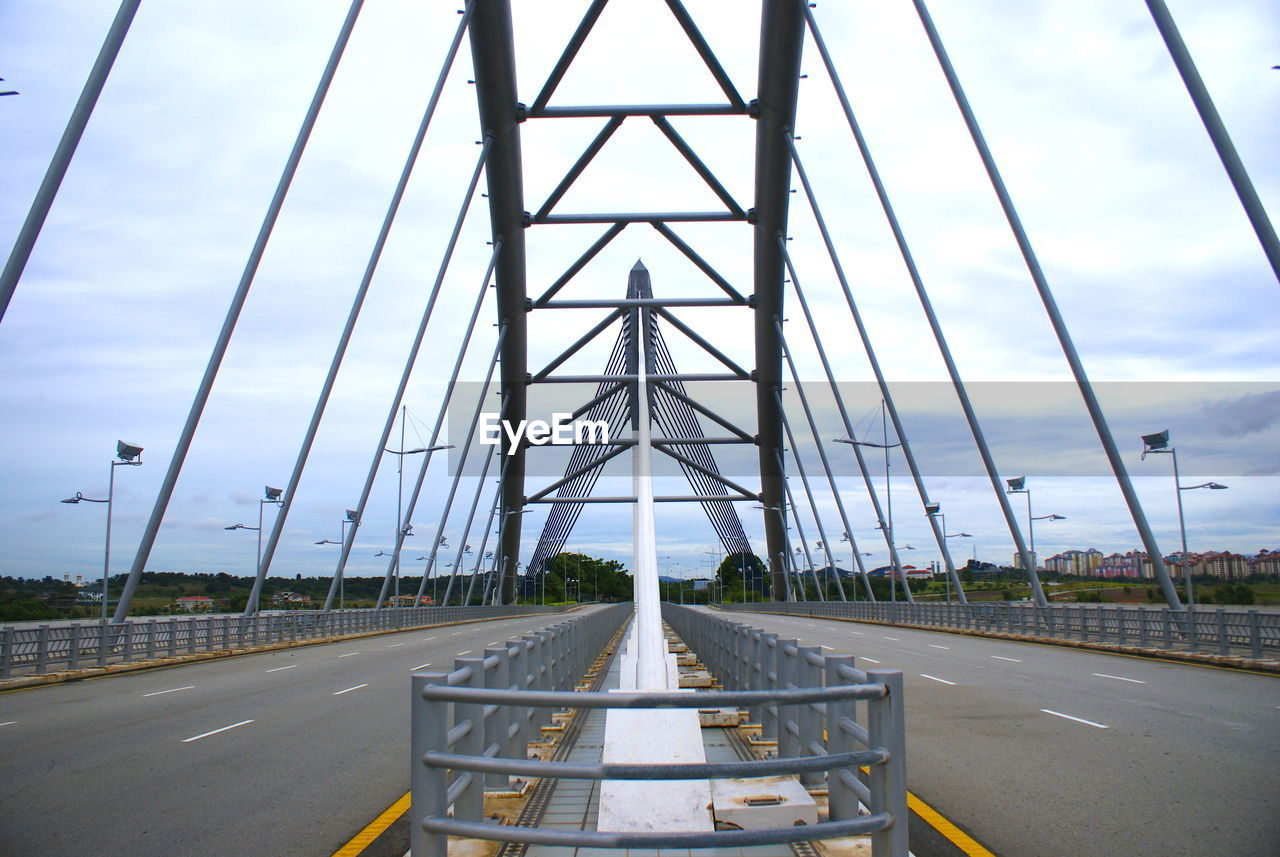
(277, 669)
(348, 654)
(932, 646)
(935, 678)
(1014, 660)
(1120, 678)
(215, 731)
(348, 690)
(1076, 719)
(170, 690)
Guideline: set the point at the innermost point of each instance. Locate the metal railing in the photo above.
(1248, 633)
(80, 645)
(459, 732)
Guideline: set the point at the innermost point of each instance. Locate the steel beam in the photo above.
(600, 110)
(630, 303)
(781, 45)
(493, 52)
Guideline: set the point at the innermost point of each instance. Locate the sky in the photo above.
(1156, 270)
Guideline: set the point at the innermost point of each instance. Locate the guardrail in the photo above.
(1248, 633)
(49, 648)
(547, 661)
(801, 691)
(746, 658)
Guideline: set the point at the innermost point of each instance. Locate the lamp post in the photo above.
(1019, 486)
(942, 516)
(895, 564)
(352, 517)
(893, 592)
(272, 495)
(128, 454)
(1159, 443)
(403, 529)
(853, 558)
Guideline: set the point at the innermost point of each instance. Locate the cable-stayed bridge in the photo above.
(495, 318)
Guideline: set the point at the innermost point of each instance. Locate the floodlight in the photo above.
(1152, 442)
(127, 451)
(273, 493)
(1015, 485)
(353, 516)
(932, 508)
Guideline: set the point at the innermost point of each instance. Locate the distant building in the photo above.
(195, 603)
(407, 601)
(292, 599)
(1133, 564)
(1221, 564)
(1081, 563)
(1265, 562)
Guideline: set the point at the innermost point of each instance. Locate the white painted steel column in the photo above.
(651, 646)
(639, 736)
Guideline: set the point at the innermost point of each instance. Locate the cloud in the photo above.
(1246, 415)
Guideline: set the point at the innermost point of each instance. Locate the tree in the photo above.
(731, 572)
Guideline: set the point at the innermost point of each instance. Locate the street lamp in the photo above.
(129, 454)
(271, 495)
(403, 529)
(1159, 443)
(1019, 486)
(353, 517)
(888, 496)
(854, 553)
(893, 591)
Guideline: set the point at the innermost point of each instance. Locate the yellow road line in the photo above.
(361, 840)
(935, 819)
(940, 823)
(954, 835)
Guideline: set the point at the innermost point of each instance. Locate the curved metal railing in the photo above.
(452, 763)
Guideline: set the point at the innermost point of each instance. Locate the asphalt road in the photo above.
(280, 753)
(1046, 751)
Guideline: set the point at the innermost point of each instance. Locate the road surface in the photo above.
(1049, 751)
(279, 753)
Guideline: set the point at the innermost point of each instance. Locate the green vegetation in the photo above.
(578, 577)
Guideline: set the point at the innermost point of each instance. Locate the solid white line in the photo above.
(8, 723)
(932, 646)
(277, 669)
(871, 660)
(1076, 719)
(348, 690)
(420, 666)
(215, 731)
(935, 678)
(348, 654)
(170, 690)
(1015, 660)
(895, 639)
(395, 645)
(1119, 678)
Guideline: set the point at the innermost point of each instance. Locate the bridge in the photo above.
(769, 268)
